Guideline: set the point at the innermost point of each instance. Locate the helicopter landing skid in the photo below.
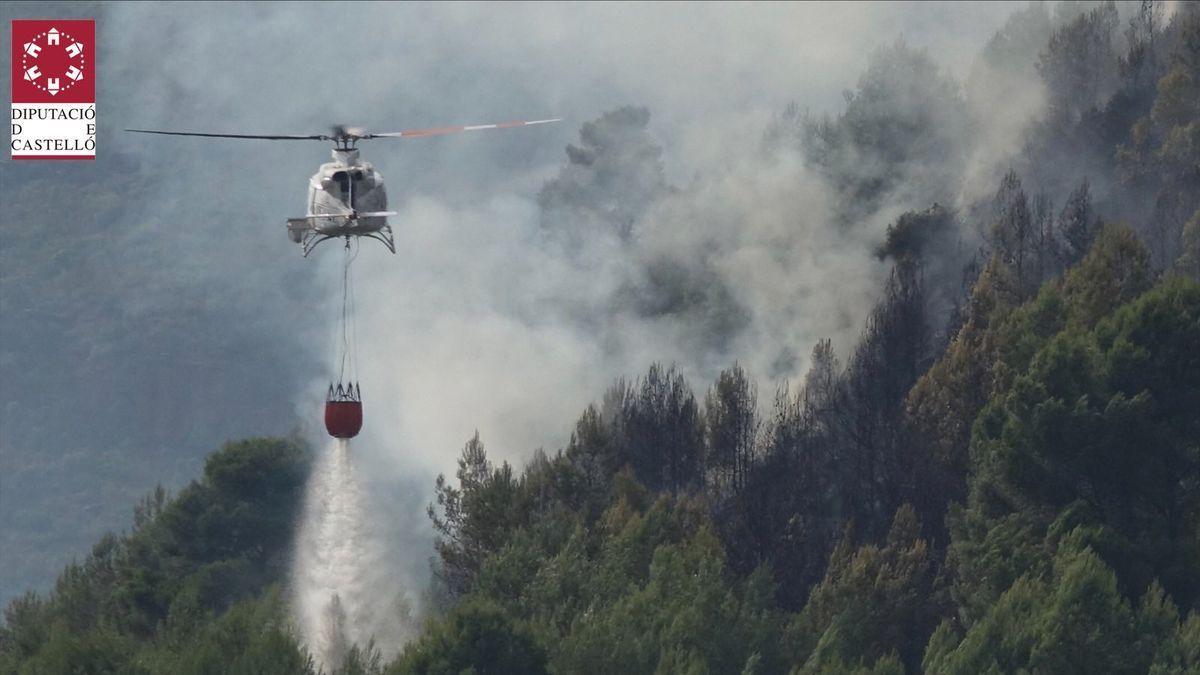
(310, 237)
(382, 235)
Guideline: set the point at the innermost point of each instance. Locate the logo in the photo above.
(54, 89)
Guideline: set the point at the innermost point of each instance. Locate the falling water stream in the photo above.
(343, 589)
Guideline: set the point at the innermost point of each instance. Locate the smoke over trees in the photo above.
(611, 178)
(916, 393)
(975, 446)
(898, 140)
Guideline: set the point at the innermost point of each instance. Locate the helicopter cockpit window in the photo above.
(342, 180)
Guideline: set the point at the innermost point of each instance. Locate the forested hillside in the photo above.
(193, 588)
(1003, 474)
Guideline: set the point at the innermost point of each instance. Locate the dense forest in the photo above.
(1002, 476)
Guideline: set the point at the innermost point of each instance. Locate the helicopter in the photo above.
(346, 197)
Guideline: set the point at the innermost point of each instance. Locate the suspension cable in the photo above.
(348, 321)
(353, 314)
(345, 308)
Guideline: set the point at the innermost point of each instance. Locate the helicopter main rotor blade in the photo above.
(278, 137)
(442, 131)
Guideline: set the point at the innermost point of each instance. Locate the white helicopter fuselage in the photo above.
(346, 197)
(347, 186)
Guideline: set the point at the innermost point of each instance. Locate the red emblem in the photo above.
(54, 61)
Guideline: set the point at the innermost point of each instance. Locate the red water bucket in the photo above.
(343, 419)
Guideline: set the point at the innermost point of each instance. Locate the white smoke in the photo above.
(344, 591)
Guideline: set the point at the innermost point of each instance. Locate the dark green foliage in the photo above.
(252, 638)
(917, 235)
(834, 451)
(475, 517)
(476, 637)
(1077, 224)
(641, 591)
(1188, 262)
(873, 603)
(149, 598)
(1079, 64)
(1071, 619)
(659, 431)
(1101, 429)
(639, 587)
(1163, 150)
(943, 403)
(731, 428)
(1000, 336)
(1012, 233)
(1116, 269)
(869, 446)
(929, 244)
(1080, 69)
(685, 618)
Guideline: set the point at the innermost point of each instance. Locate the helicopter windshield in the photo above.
(342, 179)
(350, 183)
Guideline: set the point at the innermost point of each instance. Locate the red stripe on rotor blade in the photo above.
(509, 125)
